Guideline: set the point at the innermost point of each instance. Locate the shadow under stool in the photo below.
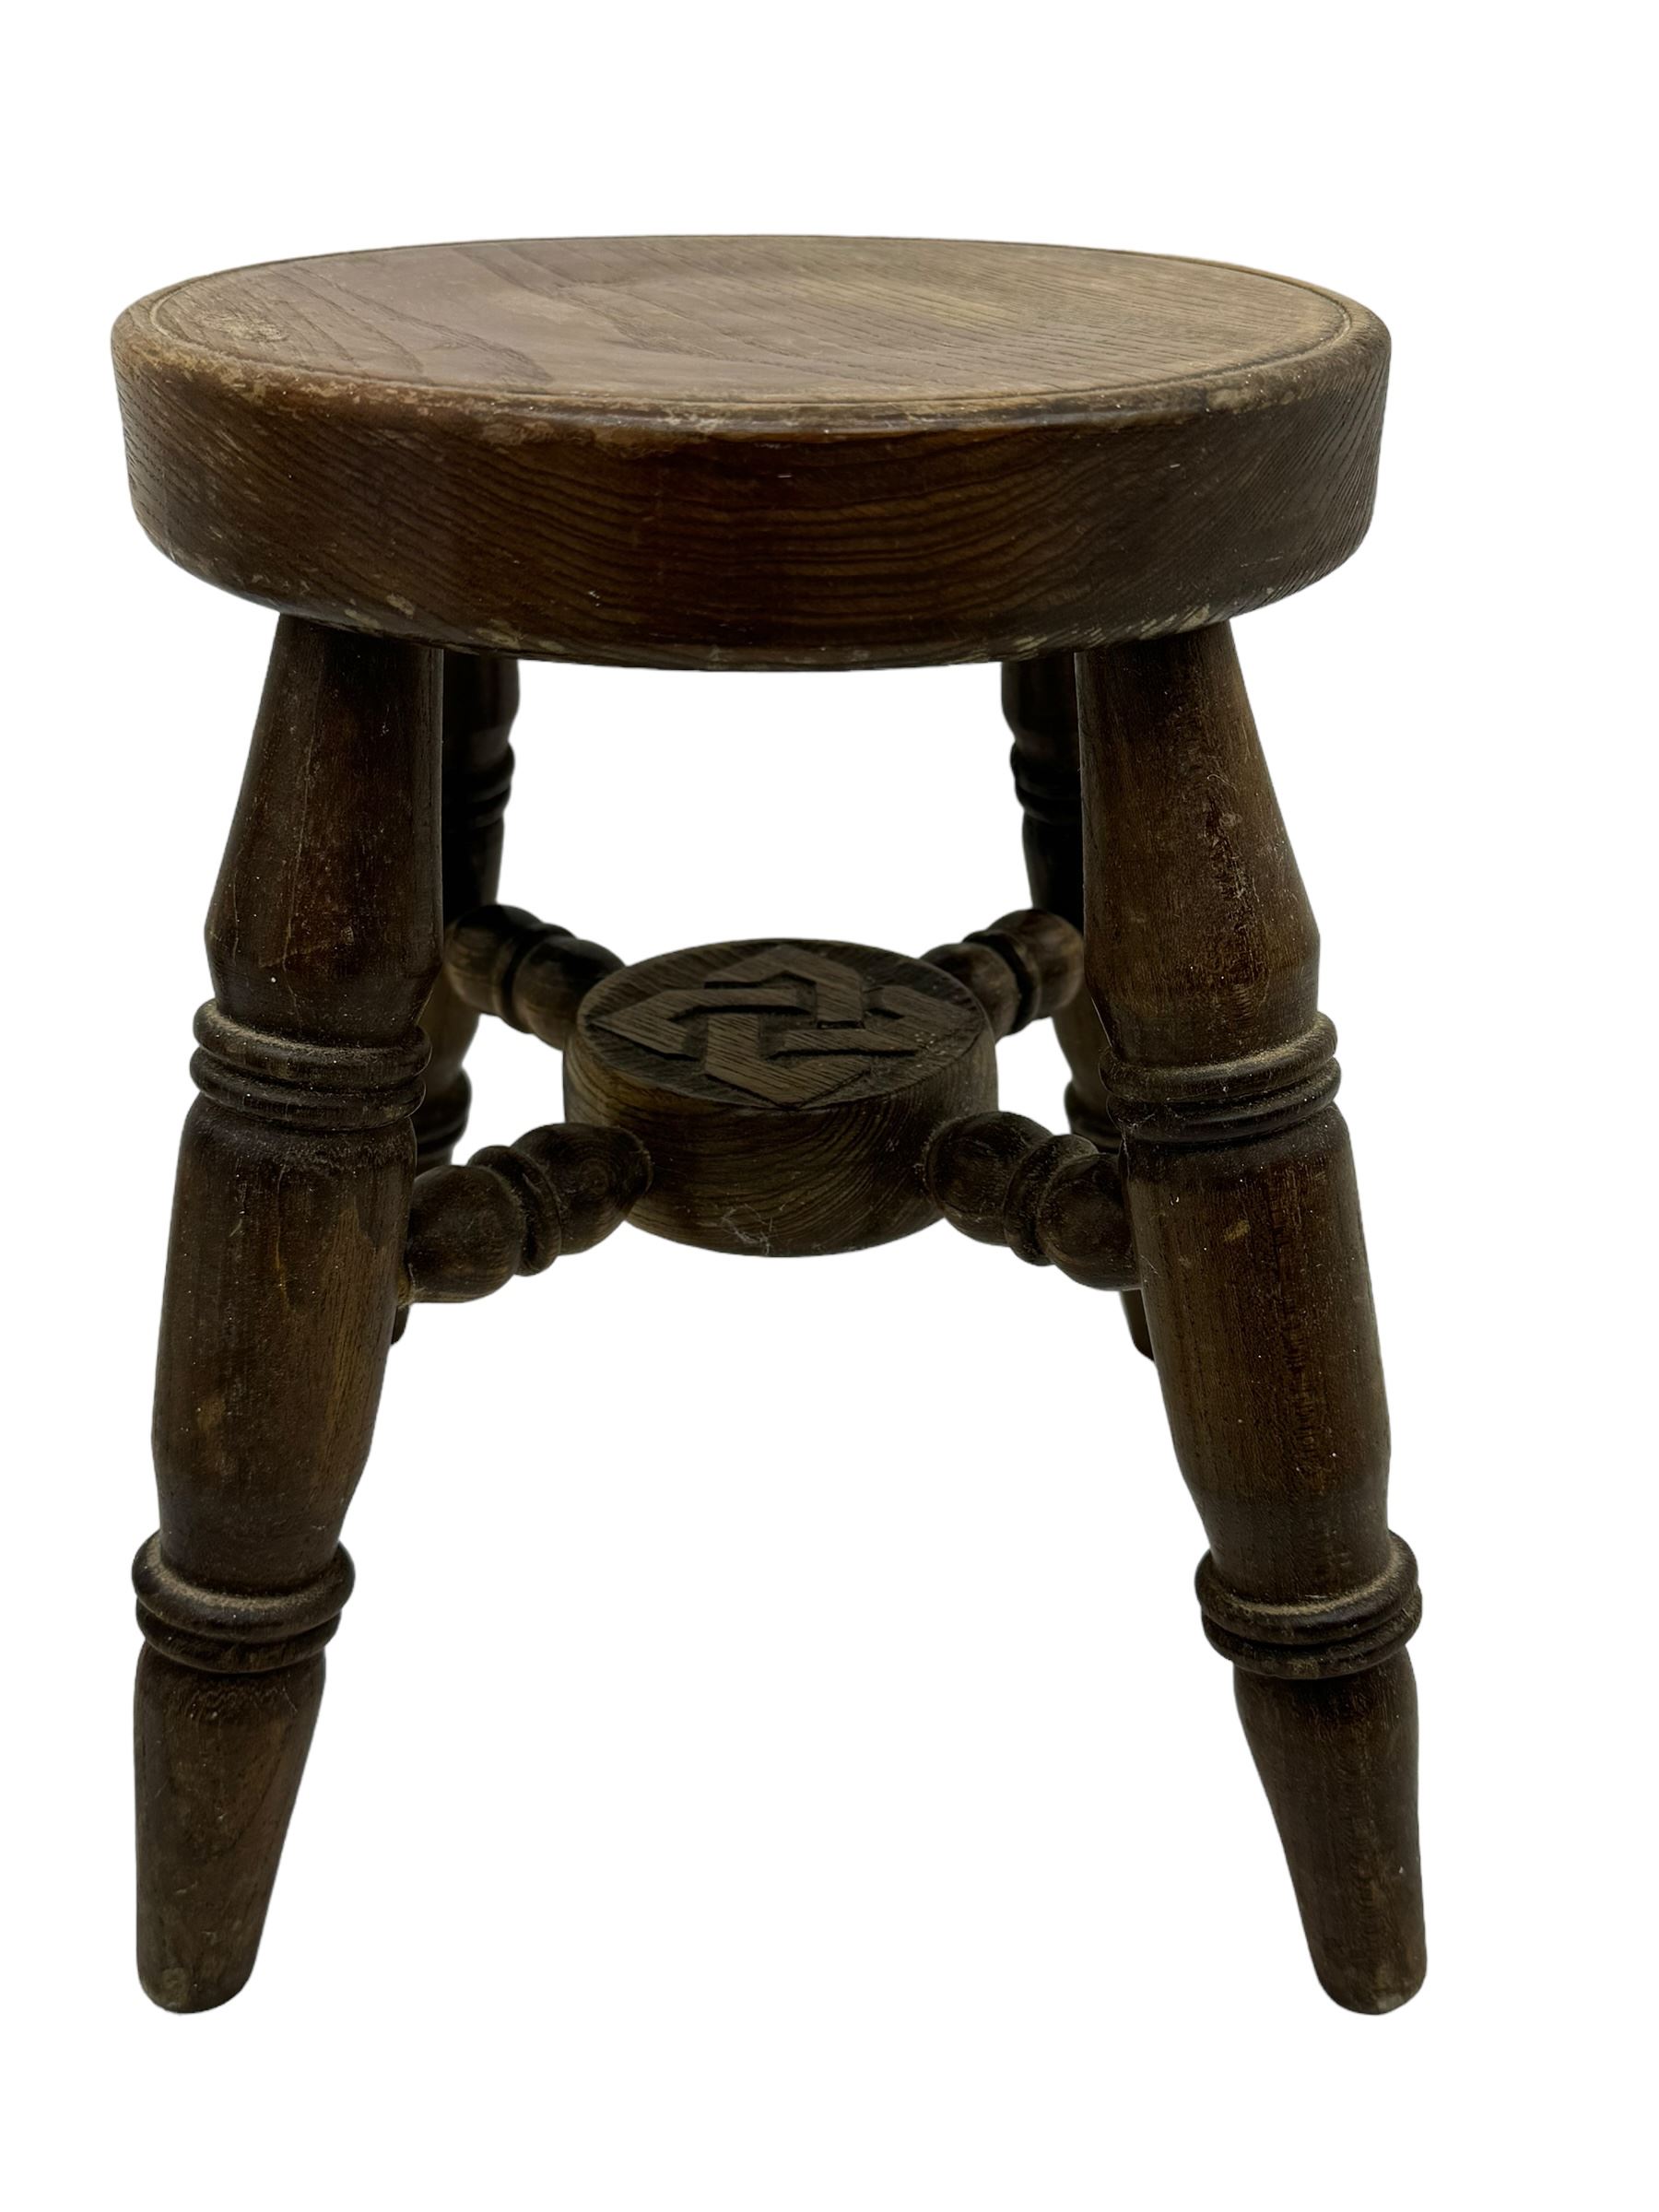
(759, 453)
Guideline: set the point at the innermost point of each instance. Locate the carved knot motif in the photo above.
(786, 1024)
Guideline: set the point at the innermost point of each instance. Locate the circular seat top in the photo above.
(753, 452)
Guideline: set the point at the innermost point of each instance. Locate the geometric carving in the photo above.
(784, 1090)
(793, 1025)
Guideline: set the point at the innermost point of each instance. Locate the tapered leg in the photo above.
(480, 699)
(287, 1234)
(1202, 962)
(1040, 705)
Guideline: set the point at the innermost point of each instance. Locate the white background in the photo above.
(771, 1759)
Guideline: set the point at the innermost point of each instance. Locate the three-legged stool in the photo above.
(754, 452)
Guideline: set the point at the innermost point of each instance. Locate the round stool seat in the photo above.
(756, 453)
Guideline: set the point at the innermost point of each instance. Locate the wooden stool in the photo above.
(759, 453)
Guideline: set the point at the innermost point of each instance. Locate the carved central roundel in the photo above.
(786, 1090)
(783, 1025)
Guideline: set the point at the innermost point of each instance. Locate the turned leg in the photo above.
(1202, 957)
(480, 699)
(1040, 705)
(283, 1279)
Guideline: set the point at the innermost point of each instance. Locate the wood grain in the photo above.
(785, 1092)
(1203, 960)
(760, 452)
(753, 453)
(282, 1282)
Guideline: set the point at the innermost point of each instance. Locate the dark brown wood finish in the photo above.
(1040, 705)
(1054, 1201)
(514, 1209)
(784, 1090)
(282, 1283)
(1027, 967)
(763, 452)
(533, 975)
(480, 699)
(1202, 962)
(754, 452)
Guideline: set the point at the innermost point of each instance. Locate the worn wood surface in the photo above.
(1203, 960)
(786, 1091)
(282, 1282)
(753, 452)
(767, 453)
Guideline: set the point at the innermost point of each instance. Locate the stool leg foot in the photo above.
(480, 699)
(289, 1224)
(1202, 962)
(216, 1761)
(1338, 1762)
(1040, 706)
